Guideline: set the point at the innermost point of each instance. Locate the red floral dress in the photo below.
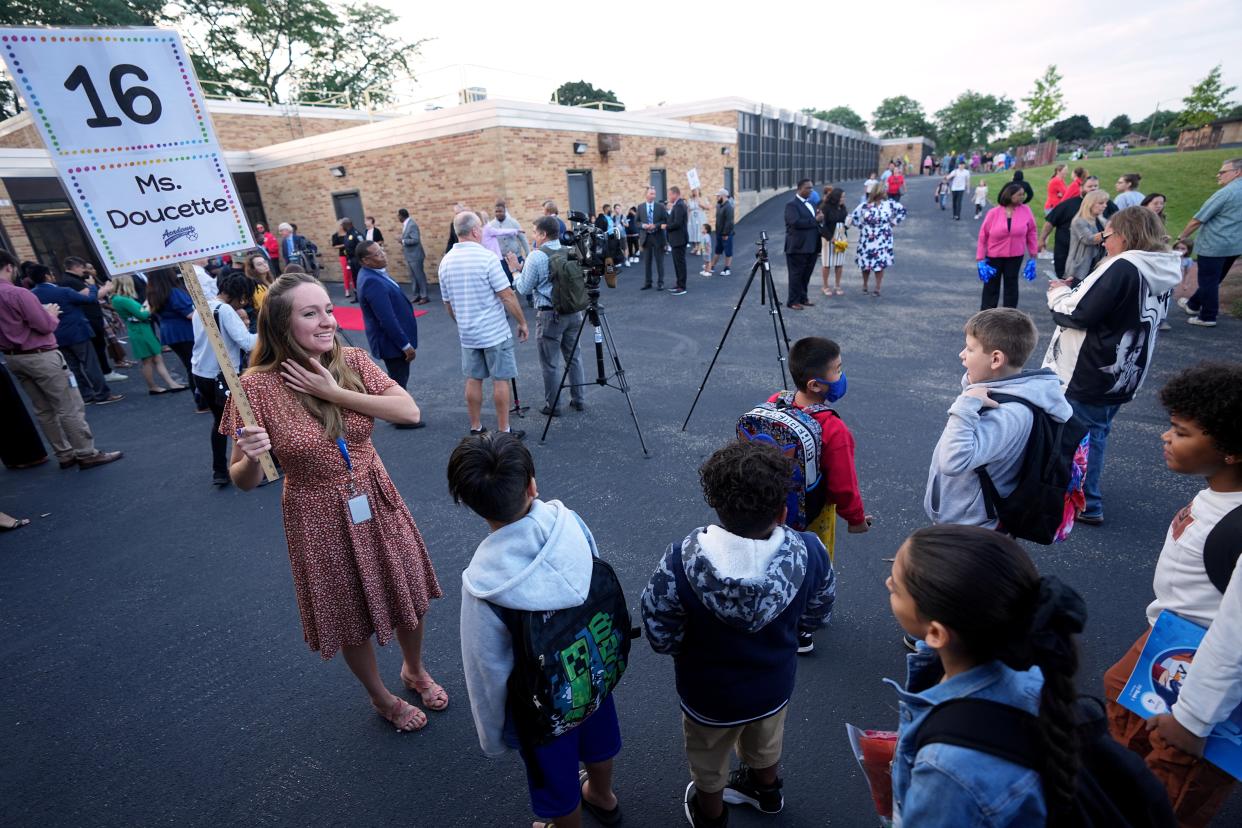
(352, 580)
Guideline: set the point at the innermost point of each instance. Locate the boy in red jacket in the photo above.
(815, 365)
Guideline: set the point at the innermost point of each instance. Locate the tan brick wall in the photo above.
(726, 119)
(524, 166)
(243, 132)
(896, 152)
(25, 138)
(22, 248)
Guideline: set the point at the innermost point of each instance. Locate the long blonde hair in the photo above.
(275, 345)
(1088, 201)
(124, 286)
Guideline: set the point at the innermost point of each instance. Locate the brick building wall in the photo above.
(22, 247)
(243, 131)
(523, 166)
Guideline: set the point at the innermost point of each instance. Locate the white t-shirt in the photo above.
(869, 185)
(958, 179)
(470, 278)
(1214, 687)
(981, 194)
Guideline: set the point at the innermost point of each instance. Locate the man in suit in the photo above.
(412, 246)
(652, 222)
(678, 238)
(295, 249)
(392, 330)
(802, 241)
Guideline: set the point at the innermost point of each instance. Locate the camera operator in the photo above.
(554, 332)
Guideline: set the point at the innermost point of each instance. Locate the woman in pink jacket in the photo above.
(1008, 231)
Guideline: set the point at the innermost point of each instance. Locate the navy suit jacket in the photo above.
(387, 315)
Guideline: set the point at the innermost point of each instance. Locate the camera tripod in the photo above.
(594, 314)
(767, 293)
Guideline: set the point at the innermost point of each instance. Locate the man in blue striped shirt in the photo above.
(477, 295)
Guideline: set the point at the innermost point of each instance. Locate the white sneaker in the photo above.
(115, 377)
(705, 273)
(726, 272)
(1195, 320)
(1184, 304)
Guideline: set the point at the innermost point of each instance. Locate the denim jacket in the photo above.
(946, 786)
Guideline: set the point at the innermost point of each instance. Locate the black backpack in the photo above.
(1115, 787)
(1222, 549)
(566, 662)
(569, 292)
(1036, 508)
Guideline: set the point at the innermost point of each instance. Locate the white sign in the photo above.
(692, 176)
(125, 123)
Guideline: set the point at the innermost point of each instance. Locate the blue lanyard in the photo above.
(340, 445)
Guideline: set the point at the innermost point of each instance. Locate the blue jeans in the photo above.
(1099, 419)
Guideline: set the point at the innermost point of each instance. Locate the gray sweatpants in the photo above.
(556, 339)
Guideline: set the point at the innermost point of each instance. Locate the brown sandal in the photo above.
(433, 695)
(403, 715)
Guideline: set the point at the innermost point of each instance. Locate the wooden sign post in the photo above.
(125, 124)
(203, 309)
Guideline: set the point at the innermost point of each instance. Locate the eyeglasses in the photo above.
(1226, 172)
(1108, 234)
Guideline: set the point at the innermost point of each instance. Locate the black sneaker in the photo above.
(696, 818)
(806, 644)
(476, 431)
(516, 432)
(912, 643)
(726, 272)
(744, 789)
(549, 411)
(219, 480)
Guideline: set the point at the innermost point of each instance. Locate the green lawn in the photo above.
(1186, 179)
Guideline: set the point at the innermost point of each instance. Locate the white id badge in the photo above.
(359, 509)
(73, 381)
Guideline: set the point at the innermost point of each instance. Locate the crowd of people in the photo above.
(735, 602)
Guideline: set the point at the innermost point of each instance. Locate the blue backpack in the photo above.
(797, 433)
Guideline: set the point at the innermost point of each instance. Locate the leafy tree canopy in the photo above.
(577, 93)
(971, 119)
(839, 115)
(1207, 101)
(899, 117)
(1073, 128)
(1045, 103)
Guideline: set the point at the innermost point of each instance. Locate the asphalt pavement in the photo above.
(154, 667)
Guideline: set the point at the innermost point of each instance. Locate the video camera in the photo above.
(588, 245)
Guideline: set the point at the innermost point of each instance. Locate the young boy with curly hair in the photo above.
(728, 603)
(1204, 439)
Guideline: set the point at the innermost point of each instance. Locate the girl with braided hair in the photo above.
(990, 628)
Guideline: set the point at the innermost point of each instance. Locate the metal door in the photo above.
(349, 205)
(581, 192)
(659, 180)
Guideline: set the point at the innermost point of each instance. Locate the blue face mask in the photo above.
(834, 390)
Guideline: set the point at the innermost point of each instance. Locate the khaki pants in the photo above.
(1196, 787)
(57, 404)
(709, 749)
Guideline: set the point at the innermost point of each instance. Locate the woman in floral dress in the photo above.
(875, 221)
(360, 568)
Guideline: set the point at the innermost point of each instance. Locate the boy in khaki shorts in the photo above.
(728, 603)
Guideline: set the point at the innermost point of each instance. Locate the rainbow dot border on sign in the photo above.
(97, 229)
(12, 41)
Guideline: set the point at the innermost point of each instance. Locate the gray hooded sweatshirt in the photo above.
(541, 562)
(995, 438)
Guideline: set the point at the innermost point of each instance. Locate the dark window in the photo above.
(581, 192)
(54, 232)
(771, 134)
(728, 180)
(659, 180)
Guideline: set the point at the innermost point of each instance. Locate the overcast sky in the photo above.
(1115, 57)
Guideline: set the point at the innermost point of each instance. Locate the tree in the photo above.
(281, 49)
(1045, 104)
(839, 115)
(338, 66)
(1207, 101)
(1160, 124)
(577, 93)
(899, 117)
(971, 119)
(1073, 128)
(1121, 126)
(65, 13)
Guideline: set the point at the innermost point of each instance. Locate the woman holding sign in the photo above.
(360, 567)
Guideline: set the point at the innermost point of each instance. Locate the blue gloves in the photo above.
(986, 271)
(1028, 270)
